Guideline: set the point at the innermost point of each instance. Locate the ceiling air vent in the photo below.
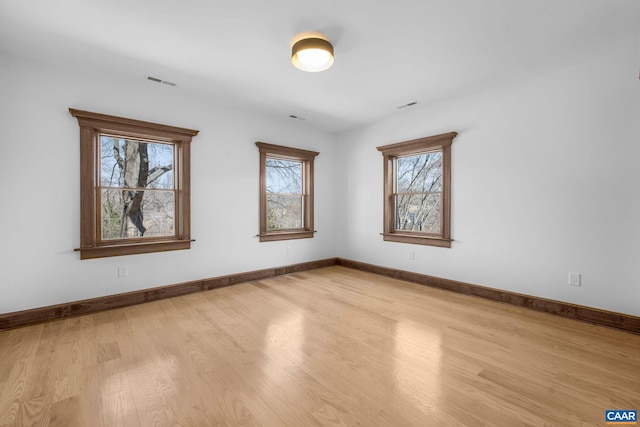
(410, 104)
(157, 80)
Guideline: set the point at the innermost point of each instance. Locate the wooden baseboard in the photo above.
(596, 316)
(94, 305)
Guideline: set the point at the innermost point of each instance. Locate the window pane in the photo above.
(145, 213)
(131, 163)
(284, 176)
(284, 212)
(419, 174)
(418, 212)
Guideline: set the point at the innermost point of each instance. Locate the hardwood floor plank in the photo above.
(14, 392)
(327, 347)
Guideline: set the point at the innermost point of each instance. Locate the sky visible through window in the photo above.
(160, 156)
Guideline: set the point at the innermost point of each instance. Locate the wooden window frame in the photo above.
(287, 153)
(92, 125)
(418, 146)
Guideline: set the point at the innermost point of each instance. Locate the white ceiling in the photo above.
(388, 53)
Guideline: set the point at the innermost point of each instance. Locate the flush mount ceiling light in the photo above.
(312, 52)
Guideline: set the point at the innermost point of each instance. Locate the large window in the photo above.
(135, 186)
(417, 191)
(286, 192)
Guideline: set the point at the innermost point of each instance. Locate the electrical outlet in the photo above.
(574, 279)
(412, 255)
(123, 271)
(288, 250)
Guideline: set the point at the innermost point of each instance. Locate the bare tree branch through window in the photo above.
(286, 192)
(417, 191)
(137, 188)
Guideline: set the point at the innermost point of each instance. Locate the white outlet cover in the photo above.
(574, 279)
(123, 271)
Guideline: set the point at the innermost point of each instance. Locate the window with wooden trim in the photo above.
(134, 186)
(286, 192)
(417, 191)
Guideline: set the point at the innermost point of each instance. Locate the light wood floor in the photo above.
(327, 347)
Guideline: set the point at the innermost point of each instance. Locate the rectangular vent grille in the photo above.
(410, 104)
(157, 80)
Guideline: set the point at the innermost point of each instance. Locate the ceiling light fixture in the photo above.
(312, 52)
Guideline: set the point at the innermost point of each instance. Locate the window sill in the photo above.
(417, 240)
(285, 235)
(133, 248)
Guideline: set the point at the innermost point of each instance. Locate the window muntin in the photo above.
(286, 192)
(141, 205)
(417, 191)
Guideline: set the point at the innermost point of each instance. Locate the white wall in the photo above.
(40, 185)
(546, 180)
